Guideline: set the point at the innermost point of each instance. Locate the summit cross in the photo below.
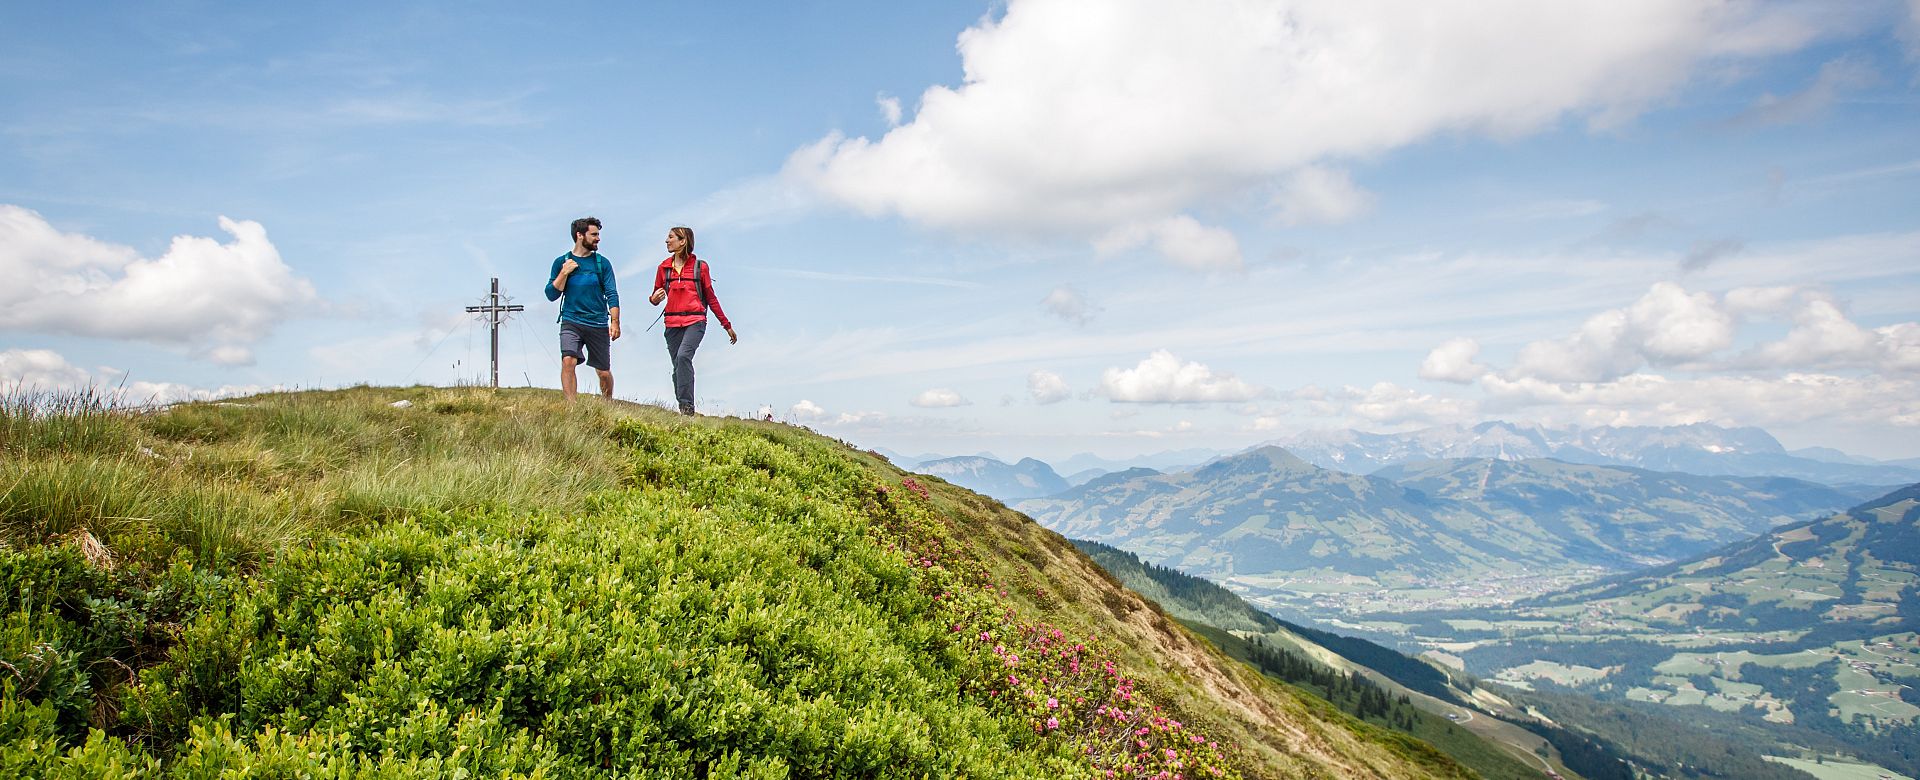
(493, 311)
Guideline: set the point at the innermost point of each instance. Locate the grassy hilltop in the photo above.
(492, 583)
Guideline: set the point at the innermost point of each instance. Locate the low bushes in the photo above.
(732, 618)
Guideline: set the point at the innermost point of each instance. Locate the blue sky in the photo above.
(1037, 227)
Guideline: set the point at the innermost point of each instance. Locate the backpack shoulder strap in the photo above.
(563, 293)
(700, 280)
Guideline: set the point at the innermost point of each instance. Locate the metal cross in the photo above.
(493, 312)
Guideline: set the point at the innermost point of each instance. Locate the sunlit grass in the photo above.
(231, 482)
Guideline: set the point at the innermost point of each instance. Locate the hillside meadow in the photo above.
(495, 584)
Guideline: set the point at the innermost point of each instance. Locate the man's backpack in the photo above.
(600, 268)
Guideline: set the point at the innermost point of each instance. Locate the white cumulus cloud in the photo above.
(213, 298)
(1666, 326)
(939, 398)
(1651, 399)
(860, 418)
(1082, 117)
(1826, 368)
(1048, 387)
(40, 369)
(1760, 301)
(1455, 361)
(806, 410)
(1163, 378)
(1824, 337)
(1386, 403)
(1068, 304)
(44, 370)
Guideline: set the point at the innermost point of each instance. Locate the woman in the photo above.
(683, 283)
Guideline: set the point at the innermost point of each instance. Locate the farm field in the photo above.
(1840, 770)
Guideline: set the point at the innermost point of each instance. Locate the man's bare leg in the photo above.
(606, 383)
(569, 384)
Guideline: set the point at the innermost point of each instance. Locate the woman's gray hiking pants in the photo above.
(681, 344)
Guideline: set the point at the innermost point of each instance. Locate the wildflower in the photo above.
(1052, 703)
(1053, 723)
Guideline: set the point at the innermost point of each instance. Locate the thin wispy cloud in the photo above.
(1835, 79)
(830, 276)
(1555, 208)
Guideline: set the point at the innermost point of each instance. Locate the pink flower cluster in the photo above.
(1071, 691)
(913, 486)
(1066, 688)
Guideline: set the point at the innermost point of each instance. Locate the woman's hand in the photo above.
(732, 337)
(659, 294)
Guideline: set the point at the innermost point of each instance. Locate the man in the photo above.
(590, 315)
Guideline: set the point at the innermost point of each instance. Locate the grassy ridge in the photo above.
(498, 585)
(231, 483)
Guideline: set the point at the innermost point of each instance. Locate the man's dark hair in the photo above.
(580, 226)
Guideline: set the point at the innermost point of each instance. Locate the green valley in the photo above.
(1573, 734)
(1810, 632)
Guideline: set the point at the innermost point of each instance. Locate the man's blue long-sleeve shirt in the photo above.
(591, 290)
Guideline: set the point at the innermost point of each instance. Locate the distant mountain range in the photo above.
(1086, 466)
(986, 473)
(1328, 542)
(988, 476)
(1693, 449)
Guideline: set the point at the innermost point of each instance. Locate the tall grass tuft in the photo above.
(82, 420)
(231, 483)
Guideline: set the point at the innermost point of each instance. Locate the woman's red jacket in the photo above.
(685, 291)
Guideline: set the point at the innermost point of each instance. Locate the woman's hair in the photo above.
(685, 234)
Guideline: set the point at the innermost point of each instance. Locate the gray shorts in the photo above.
(586, 344)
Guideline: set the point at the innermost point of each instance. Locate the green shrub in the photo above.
(499, 585)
